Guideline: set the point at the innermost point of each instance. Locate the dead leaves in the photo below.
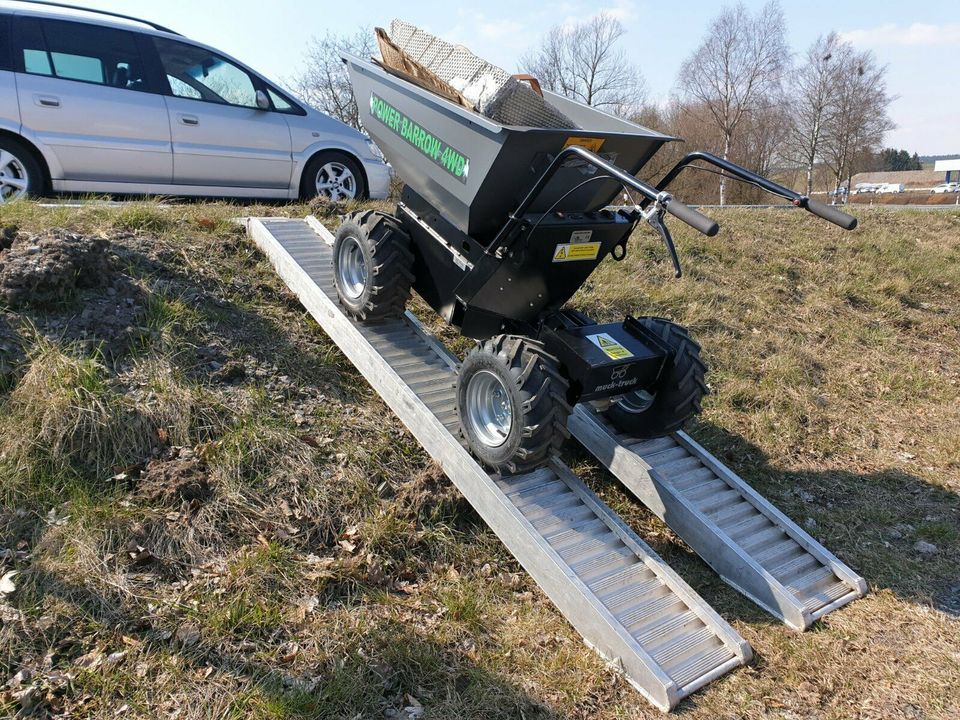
(7, 586)
(348, 545)
(188, 635)
(350, 539)
(47, 692)
(138, 555)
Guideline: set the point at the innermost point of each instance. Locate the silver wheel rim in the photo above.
(636, 402)
(336, 181)
(13, 177)
(488, 408)
(351, 268)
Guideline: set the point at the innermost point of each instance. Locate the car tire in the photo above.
(20, 173)
(341, 174)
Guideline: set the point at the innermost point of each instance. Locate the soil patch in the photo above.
(44, 269)
(176, 477)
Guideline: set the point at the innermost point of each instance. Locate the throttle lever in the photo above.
(653, 214)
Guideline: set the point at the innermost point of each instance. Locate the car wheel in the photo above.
(335, 176)
(20, 174)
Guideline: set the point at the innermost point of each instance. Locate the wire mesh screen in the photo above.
(494, 92)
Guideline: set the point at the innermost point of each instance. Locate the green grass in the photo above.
(834, 372)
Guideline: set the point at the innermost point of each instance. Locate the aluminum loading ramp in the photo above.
(752, 545)
(624, 600)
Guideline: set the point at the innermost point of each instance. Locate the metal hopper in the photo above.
(473, 171)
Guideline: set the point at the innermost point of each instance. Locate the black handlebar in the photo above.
(695, 219)
(847, 222)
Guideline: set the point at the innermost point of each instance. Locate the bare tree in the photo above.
(737, 69)
(584, 63)
(815, 96)
(855, 130)
(323, 82)
(759, 146)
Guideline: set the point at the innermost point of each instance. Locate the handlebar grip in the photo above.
(847, 222)
(693, 218)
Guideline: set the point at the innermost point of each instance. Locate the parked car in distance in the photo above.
(861, 188)
(950, 187)
(96, 102)
(889, 188)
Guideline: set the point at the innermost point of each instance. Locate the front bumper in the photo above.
(378, 178)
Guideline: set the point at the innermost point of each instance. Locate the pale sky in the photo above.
(918, 41)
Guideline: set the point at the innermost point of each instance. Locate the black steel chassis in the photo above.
(508, 284)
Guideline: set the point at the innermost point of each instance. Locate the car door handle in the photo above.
(47, 101)
(188, 119)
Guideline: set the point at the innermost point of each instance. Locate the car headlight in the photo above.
(374, 150)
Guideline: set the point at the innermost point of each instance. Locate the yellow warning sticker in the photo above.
(591, 144)
(613, 349)
(568, 252)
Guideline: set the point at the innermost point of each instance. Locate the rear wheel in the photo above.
(677, 396)
(20, 174)
(511, 399)
(372, 266)
(333, 175)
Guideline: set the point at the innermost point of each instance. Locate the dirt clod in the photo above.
(7, 235)
(43, 269)
(231, 373)
(178, 476)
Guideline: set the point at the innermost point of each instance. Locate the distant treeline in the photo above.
(933, 158)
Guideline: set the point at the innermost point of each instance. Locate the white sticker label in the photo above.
(581, 236)
(612, 349)
(569, 252)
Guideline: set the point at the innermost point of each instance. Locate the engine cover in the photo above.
(602, 361)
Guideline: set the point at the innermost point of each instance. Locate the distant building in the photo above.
(949, 167)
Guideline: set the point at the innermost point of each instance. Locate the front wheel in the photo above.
(20, 175)
(372, 266)
(511, 399)
(678, 394)
(333, 175)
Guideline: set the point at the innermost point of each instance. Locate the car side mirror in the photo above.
(263, 102)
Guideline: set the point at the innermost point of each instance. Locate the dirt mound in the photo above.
(43, 269)
(39, 277)
(178, 476)
(7, 236)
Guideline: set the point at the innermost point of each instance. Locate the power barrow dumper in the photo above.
(497, 228)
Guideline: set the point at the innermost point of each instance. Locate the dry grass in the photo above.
(333, 572)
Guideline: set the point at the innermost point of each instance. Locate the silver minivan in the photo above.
(94, 102)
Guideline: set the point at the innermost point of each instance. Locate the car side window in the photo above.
(196, 73)
(5, 54)
(79, 51)
(181, 89)
(34, 58)
(279, 103)
(282, 103)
